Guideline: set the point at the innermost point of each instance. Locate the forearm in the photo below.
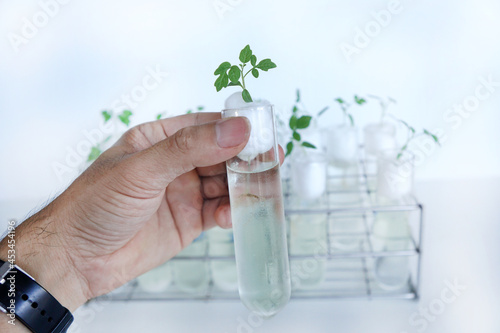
(39, 250)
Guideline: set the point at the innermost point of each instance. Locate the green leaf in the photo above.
(200, 108)
(125, 117)
(189, 111)
(293, 122)
(295, 109)
(245, 54)
(106, 115)
(411, 129)
(253, 60)
(359, 100)
(323, 111)
(266, 65)
(225, 80)
(246, 96)
(218, 83)
(298, 96)
(289, 148)
(351, 120)
(402, 151)
(433, 136)
(303, 122)
(221, 82)
(234, 74)
(308, 145)
(339, 100)
(255, 73)
(222, 68)
(94, 154)
(232, 84)
(158, 117)
(296, 136)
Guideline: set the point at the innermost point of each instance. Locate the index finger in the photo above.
(145, 135)
(172, 125)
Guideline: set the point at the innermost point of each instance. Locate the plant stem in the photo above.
(247, 72)
(410, 138)
(243, 76)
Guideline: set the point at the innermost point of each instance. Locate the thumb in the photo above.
(191, 147)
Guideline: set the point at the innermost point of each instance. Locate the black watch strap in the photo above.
(35, 307)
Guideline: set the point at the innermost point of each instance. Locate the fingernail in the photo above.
(232, 131)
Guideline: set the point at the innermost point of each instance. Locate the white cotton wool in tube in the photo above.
(235, 101)
(343, 144)
(261, 137)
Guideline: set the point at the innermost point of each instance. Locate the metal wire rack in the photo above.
(351, 255)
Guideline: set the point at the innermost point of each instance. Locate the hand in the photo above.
(138, 205)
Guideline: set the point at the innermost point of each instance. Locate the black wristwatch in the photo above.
(22, 298)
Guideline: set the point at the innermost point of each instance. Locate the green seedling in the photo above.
(198, 109)
(412, 135)
(296, 124)
(384, 105)
(123, 117)
(234, 75)
(345, 106)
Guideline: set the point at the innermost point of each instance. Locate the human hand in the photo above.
(138, 205)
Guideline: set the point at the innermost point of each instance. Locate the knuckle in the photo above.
(183, 140)
(135, 138)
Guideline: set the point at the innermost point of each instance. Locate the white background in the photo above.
(429, 57)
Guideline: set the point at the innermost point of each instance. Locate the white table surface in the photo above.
(461, 242)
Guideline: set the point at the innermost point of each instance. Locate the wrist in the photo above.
(39, 250)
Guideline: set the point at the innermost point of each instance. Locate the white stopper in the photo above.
(343, 145)
(379, 137)
(261, 137)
